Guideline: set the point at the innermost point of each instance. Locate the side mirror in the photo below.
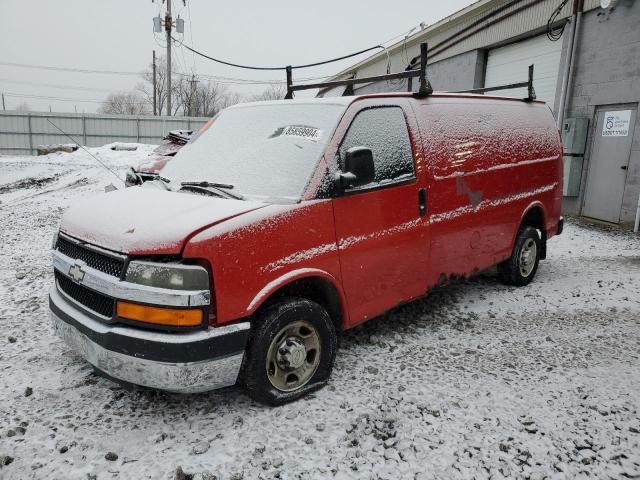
(358, 168)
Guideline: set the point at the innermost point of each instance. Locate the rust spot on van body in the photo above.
(463, 189)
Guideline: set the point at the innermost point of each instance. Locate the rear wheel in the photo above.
(522, 266)
(290, 353)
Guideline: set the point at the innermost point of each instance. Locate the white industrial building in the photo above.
(586, 57)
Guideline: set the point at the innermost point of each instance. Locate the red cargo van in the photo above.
(286, 222)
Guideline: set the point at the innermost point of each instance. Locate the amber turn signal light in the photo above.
(173, 317)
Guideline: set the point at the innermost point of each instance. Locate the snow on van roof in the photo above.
(347, 100)
(298, 101)
(440, 94)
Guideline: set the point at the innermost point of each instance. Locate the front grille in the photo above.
(99, 261)
(92, 300)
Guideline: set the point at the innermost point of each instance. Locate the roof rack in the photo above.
(425, 86)
(531, 93)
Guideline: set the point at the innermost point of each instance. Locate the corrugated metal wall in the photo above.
(22, 132)
(509, 64)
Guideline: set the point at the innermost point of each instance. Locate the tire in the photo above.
(290, 352)
(522, 266)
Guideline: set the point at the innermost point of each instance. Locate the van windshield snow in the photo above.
(264, 151)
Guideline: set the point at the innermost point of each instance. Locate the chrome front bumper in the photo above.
(177, 362)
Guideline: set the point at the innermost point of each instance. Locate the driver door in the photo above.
(382, 227)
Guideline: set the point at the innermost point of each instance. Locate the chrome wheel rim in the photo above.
(527, 258)
(293, 356)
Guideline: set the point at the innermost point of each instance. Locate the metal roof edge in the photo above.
(475, 7)
(422, 33)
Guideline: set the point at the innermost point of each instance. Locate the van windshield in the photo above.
(264, 151)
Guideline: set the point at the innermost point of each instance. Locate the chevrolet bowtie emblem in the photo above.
(76, 273)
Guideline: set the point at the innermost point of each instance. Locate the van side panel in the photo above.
(253, 255)
(489, 160)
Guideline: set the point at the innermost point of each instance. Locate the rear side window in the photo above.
(384, 131)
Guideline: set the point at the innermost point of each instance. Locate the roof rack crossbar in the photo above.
(531, 93)
(425, 86)
(352, 81)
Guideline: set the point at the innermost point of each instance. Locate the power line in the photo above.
(220, 79)
(66, 69)
(333, 60)
(90, 100)
(64, 87)
(63, 99)
(81, 146)
(554, 34)
(247, 67)
(191, 35)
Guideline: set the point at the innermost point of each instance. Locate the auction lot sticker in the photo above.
(298, 131)
(616, 124)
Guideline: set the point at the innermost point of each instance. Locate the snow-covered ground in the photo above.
(478, 380)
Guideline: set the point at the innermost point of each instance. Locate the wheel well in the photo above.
(535, 218)
(318, 290)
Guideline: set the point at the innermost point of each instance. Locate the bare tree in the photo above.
(225, 98)
(146, 88)
(200, 98)
(231, 98)
(190, 96)
(275, 91)
(131, 103)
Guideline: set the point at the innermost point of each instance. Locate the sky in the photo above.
(117, 35)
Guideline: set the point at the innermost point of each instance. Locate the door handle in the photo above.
(422, 202)
(623, 167)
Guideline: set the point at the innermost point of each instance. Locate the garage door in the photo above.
(509, 65)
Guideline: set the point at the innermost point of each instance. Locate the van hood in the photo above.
(147, 221)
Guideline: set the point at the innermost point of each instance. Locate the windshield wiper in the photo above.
(164, 181)
(204, 183)
(220, 188)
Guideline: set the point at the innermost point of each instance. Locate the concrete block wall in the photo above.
(607, 73)
(462, 72)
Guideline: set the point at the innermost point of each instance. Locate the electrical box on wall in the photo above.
(574, 142)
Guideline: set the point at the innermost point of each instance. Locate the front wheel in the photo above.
(290, 352)
(522, 266)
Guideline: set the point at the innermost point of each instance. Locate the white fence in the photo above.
(22, 132)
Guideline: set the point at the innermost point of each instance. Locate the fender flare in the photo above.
(272, 287)
(525, 212)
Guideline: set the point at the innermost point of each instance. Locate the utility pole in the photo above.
(167, 26)
(155, 95)
(193, 83)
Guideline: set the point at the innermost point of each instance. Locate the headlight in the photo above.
(55, 240)
(168, 275)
